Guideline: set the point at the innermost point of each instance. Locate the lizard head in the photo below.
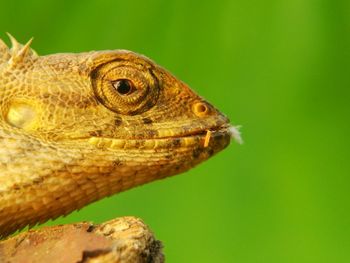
(111, 106)
(75, 128)
(98, 123)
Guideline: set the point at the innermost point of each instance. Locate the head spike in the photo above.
(15, 45)
(34, 54)
(25, 50)
(19, 52)
(3, 46)
(4, 52)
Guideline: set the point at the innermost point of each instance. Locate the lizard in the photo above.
(78, 127)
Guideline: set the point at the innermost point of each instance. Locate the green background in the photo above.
(279, 68)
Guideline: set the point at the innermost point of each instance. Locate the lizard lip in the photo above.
(208, 134)
(233, 131)
(191, 138)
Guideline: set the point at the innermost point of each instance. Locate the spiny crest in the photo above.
(18, 53)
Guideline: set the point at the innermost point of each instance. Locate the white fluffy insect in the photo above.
(236, 134)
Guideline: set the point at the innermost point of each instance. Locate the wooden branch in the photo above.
(125, 239)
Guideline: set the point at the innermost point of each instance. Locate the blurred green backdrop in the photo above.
(281, 69)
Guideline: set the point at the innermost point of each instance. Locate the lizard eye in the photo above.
(125, 88)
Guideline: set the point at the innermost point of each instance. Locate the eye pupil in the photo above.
(123, 86)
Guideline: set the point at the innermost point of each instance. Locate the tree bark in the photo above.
(125, 239)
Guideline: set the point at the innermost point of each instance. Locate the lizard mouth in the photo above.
(199, 137)
(231, 130)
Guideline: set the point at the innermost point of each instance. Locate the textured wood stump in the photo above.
(125, 239)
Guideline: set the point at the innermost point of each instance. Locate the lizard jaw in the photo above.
(203, 137)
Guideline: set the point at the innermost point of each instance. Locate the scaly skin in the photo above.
(75, 128)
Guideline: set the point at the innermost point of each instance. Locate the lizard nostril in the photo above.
(200, 109)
